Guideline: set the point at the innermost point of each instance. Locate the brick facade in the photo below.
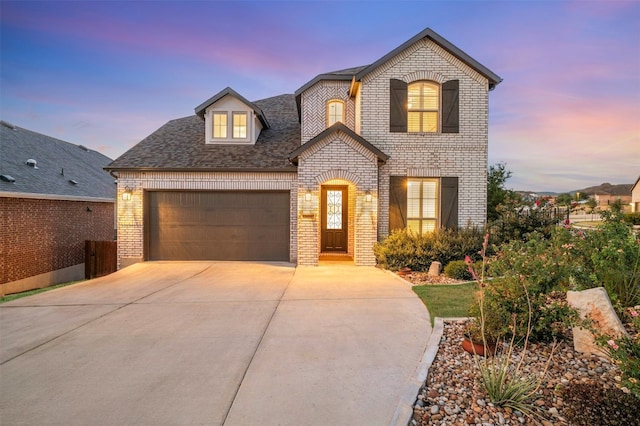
(44, 235)
(130, 212)
(338, 159)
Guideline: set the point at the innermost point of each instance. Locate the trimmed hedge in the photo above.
(404, 248)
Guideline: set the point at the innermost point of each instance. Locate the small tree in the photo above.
(564, 199)
(496, 192)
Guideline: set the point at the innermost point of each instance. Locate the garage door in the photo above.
(218, 226)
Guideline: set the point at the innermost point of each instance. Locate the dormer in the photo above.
(230, 119)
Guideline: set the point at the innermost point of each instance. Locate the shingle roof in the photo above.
(58, 163)
(180, 144)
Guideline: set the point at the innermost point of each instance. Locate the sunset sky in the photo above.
(107, 74)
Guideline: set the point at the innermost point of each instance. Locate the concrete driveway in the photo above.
(213, 343)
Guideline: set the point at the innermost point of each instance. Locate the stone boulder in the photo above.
(594, 304)
(434, 269)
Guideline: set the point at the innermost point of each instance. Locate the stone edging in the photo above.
(404, 410)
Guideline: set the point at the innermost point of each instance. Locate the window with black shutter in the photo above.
(422, 204)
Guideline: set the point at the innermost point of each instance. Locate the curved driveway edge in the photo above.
(216, 343)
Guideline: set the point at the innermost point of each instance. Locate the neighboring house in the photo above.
(54, 195)
(635, 196)
(351, 156)
(605, 200)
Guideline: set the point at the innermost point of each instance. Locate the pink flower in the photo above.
(612, 344)
(634, 313)
(467, 260)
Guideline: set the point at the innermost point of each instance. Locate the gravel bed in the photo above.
(452, 395)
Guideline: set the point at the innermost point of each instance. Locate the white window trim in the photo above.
(230, 140)
(339, 101)
(422, 110)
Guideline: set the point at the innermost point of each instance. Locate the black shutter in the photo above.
(449, 202)
(397, 202)
(397, 106)
(450, 108)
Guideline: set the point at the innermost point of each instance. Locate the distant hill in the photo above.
(602, 189)
(607, 188)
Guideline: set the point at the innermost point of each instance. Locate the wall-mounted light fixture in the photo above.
(368, 197)
(307, 196)
(127, 194)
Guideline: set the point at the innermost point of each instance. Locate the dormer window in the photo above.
(239, 125)
(231, 119)
(220, 125)
(335, 112)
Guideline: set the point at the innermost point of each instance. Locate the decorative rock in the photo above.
(435, 409)
(434, 269)
(594, 304)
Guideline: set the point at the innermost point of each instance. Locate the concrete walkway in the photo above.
(213, 343)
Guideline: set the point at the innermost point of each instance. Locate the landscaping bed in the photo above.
(452, 394)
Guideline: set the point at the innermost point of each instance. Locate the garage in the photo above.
(217, 225)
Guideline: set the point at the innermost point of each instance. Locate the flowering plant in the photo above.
(625, 351)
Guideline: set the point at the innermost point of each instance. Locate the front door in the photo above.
(334, 219)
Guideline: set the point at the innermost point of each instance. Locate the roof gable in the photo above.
(200, 109)
(337, 128)
(494, 79)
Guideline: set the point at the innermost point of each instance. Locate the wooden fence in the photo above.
(100, 258)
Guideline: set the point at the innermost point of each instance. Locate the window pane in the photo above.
(428, 226)
(413, 198)
(429, 199)
(220, 125)
(336, 112)
(240, 125)
(429, 121)
(414, 225)
(334, 209)
(413, 122)
(413, 95)
(429, 97)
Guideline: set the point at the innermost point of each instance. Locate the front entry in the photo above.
(335, 218)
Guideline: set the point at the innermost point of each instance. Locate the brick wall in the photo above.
(338, 159)
(462, 154)
(39, 236)
(314, 107)
(130, 213)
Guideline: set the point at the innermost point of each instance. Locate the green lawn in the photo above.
(15, 296)
(447, 301)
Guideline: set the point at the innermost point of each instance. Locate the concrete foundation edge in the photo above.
(71, 273)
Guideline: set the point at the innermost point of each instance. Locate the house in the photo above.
(54, 195)
(635, 196)
(327, 171)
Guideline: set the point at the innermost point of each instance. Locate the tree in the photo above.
(496, 192)
(592, 204)
(564, 199)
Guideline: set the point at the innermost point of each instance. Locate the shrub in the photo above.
(517, 222)
(404, 248)
(543, 269)
(590, 403)
(611, 257)
(625, 351)
(632, 218)
(458, 269)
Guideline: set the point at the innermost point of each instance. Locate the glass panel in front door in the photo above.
(334, 209)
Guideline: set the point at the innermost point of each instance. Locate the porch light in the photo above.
(127, 194)
(368, 197)
(307, 196)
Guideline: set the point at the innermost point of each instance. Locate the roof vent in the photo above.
(31, 163)
(8, 125)
(84, 148)
(7, 178)
(73, 182)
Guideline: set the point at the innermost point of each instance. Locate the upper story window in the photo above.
(220, 125)
(335, 112)
(424, 107)
(423, 101)
(239, 125)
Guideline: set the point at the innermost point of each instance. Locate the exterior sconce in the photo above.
(127, 194)
(307, 206)
(307, 196)
(368, 197)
